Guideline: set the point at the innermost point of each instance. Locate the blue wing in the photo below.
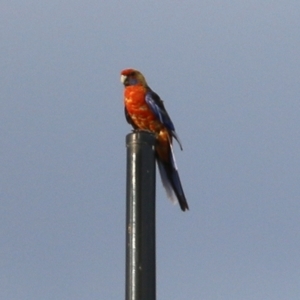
(158, 108)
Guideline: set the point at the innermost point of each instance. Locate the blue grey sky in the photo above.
(229, 73)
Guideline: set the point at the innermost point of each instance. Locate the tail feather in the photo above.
(166, 182)
(171, 181)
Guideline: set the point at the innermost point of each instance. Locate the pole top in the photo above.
(140, 137)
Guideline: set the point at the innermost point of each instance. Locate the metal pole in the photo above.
(140, 217)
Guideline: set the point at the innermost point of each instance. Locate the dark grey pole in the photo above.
(140, 217)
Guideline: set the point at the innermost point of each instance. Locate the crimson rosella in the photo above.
(144, 110)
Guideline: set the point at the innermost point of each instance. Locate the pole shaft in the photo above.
(140, 217)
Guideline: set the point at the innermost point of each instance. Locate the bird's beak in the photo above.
(123, 78)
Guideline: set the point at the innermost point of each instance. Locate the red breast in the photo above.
(141, 114)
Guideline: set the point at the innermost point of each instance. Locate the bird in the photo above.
(145, 111)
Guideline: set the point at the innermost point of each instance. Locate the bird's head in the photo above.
(133, 77)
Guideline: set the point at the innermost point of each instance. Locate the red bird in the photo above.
(144, 110)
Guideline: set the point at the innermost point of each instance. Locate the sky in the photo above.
(229, 75)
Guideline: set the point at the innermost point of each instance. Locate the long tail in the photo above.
(171, 181)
